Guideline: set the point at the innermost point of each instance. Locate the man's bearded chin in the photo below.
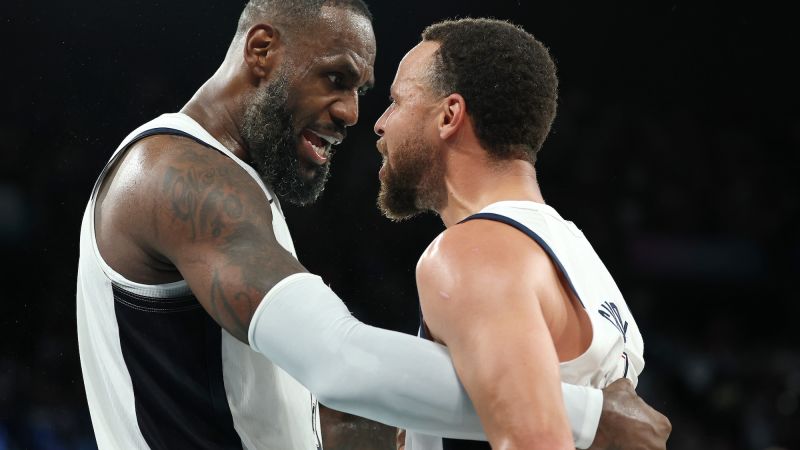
(271, 140)
(414, 184)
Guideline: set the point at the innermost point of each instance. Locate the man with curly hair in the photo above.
(514, 291)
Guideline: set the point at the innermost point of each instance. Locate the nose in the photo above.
(380, 123)
(345, 109)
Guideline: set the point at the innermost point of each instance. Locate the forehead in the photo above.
(415, 66)
(340, 32)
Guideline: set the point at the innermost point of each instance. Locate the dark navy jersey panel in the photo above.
(455, 444)
(173, 351)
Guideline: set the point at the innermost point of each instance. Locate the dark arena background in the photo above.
(675, 149)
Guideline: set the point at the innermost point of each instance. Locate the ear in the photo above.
(260, 49)
(453, 116)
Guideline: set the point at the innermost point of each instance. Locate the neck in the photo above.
(218, 108)
(473, 182)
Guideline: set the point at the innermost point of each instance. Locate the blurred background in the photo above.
(675, 150)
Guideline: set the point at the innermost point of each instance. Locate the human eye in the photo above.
(337, 79)
(362, 91)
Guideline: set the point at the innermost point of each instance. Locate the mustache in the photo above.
(381, 146)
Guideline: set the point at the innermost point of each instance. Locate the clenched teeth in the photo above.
(329, 139)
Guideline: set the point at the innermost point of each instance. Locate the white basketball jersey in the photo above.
(159, 372)
(616, 350)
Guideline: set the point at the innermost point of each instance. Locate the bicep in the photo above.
(504, 356)
(502, 350)
(215, 225)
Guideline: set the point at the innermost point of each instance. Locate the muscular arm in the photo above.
(479, 295)
(193, 208)
(215, 225)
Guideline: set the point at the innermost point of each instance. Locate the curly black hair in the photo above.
(506, 77)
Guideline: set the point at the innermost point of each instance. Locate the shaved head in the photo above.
(293, 15)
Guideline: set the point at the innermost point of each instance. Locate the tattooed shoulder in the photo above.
(207, 192)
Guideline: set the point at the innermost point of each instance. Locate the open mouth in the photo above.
(317, 146)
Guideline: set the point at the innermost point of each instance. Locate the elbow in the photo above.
(322, 385)
(330, 387)
(335, 388)
(327, 395)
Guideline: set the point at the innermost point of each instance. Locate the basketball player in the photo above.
(514, 291)
(197, 326)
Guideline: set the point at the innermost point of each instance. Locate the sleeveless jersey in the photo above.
(159, 372)
(616, 350)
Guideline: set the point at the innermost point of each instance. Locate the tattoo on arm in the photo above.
(221, 307)
(223, 207)
(186, 188)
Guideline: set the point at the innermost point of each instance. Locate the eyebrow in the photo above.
(351, 71)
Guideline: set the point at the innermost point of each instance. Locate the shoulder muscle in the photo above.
(471, 268)
(214, 223)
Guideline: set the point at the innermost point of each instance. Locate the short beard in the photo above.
(271, 140)
(415, 183)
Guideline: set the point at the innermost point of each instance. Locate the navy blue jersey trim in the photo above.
(423, 331)
(531, 234)
(168, 131)
(625, 355)
(173, 353)
(174, 132)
